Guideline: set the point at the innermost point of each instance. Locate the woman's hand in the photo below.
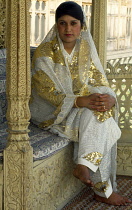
(96, 101)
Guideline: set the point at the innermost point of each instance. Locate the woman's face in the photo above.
(69, 28)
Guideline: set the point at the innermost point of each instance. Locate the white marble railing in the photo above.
(119, 74)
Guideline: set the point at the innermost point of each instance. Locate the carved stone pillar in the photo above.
(18, 155)
(99, 28)
(2, 23)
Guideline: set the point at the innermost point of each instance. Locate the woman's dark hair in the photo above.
(69, 8)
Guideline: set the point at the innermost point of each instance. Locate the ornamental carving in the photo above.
(53, 181)
(2, 23)
(18, 176)
(19, 110)
(124, 160)
(119, 73)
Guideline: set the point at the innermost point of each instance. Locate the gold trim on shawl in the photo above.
(51, 50)
(102, 116)
(46, 123)
(97, 78)
(46, 89)
(94, 157)
(101, 186)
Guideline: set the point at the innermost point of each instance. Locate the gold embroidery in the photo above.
(96, 77)
(102, 116)
(78, 87)
(46, 123)
(94, 157)
(84, 91)
(58, 109)
(46, 88)
(51, 50)
(75, 74)
(101, 186)
(84, 61)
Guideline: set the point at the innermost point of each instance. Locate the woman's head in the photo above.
(69, 8)
(69, 20)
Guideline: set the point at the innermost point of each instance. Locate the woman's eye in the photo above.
(62, 23)
(73, 23)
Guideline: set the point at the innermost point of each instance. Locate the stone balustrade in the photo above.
(119, 74)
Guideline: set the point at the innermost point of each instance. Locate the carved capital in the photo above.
(18, 113)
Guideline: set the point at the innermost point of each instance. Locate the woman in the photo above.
(71, 97)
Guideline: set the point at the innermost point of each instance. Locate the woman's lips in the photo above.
(68, 35)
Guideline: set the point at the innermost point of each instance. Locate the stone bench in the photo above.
(53, 163)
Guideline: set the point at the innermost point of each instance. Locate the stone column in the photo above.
(99, 28)
(18, 155)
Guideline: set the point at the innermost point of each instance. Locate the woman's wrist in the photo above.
(75, 103)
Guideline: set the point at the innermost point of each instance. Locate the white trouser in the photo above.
(97, 150)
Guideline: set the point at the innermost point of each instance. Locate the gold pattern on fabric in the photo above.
(77, 84)
(58, 109)
(79, 87)
(51, 50)
(94, 157)
(46, 123)
(101, 186)
(84, 60)
(84, 91)
(102, 116)
(96, 77)
(46, 88)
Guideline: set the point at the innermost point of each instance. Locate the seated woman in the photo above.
(71, 97)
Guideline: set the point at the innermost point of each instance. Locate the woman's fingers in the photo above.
(96, 101)
(99, 108)
(103, 102)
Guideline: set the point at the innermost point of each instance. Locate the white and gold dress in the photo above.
(57, 79)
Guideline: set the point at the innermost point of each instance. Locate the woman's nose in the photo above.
(68, 27)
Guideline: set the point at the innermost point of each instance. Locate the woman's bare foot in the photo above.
(81, 172)
(114, 199)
